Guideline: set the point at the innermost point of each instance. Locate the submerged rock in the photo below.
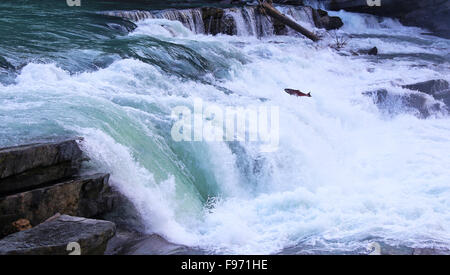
(418, 103)
(53, 237)
(439, 89)
(88, 196)
(4, 64)
(28, 166)
(371, 51)
(426, 97)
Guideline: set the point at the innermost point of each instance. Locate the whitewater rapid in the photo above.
(345, 174)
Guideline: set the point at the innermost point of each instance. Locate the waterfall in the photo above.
(242, 21)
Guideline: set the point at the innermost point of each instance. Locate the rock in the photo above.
(121, 25)
(217, 21)
(4, 64)
(15, 226)
(417, 103)
(289, 2)
(430, 14)
(439, 89)
(430, 87)
(53, 237)
(435, 17)
(373, 51)
(324, 21)
(87, 196)
(124, 214)
(28, 166)
(54, 217)
(431, 251)
(22, 224)
(134, 243)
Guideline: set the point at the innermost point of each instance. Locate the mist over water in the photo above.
(345, 173)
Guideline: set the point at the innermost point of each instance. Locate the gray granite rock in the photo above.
(28, 166)
(53, 237)
(87, 196)
(437, 88)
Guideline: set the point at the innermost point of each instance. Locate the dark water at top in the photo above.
(77, 39)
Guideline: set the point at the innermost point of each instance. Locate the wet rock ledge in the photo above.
(39, 181)
(423, 99)
(57, 237)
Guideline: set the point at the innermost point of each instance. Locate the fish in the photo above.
(297, 92)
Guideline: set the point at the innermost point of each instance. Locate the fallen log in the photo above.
(275, 14)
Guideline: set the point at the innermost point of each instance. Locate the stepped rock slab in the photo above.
(53, 237)
(87, 196)
(28, 166)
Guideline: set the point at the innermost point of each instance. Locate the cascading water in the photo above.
(244, 21)
(344, 175)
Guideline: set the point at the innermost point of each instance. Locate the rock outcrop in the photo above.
(89, 196)
(56, 237)
(134, 243)
(28, 166)
(323, 20)
(438, 89)
(425, 98)
(39, 180)
(216, 21)
(430, 14)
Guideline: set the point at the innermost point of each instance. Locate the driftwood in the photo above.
(275, 14)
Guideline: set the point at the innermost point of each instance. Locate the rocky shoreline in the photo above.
(45, 202)
(48, 208)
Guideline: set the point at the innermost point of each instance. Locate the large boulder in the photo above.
(417, 103)
(438, 89)
(88, 196)
(28, 166)
(324, 21)
(425, 98)
(56, 237)
(217, 21)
